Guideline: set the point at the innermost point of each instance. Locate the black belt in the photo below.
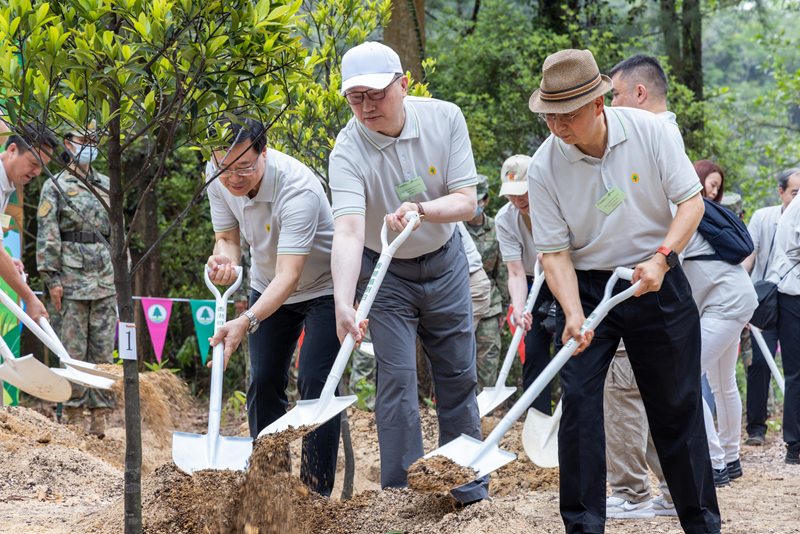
(80, 237)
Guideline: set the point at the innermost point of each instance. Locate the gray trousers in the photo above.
(428, 297)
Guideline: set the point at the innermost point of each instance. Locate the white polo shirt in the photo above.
(786, 253)
(642, 159)
(290, 214)
(516, 241)
(365, 167)
(473, 256)
(762, 228)
(6, 189)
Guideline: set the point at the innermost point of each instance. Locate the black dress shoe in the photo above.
(793, 454)
(721, 478)
(734, 469)
(756, 439)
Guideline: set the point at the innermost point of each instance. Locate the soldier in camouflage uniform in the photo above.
(487, 334)
(77, 274)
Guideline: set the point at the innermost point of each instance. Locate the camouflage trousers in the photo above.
(488, 341)
(87, 329)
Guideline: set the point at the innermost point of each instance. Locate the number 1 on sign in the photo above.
(127, 341)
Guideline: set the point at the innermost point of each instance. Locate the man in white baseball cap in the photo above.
(401, 154)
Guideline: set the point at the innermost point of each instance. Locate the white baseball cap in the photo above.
(370, 65)
(514, 175)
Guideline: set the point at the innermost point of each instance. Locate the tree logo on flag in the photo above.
(205, 315)
(157, 313)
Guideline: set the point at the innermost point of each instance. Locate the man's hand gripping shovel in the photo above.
(318, 411)
(485, 457)
(195, 452)
(492, 397)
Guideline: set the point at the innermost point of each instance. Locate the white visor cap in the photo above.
(370, 65)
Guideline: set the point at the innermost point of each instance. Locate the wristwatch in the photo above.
(253, 321)
(421, 211)
(671, 255)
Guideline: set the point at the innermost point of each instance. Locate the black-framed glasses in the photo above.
(356, 97)
(551, 118)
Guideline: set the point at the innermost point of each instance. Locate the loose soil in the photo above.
(437, 474)
(71, 483)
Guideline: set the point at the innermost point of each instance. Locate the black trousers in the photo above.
(537, 351)
(662, 336)
(271, 349)
(789, 334)
(758, 383)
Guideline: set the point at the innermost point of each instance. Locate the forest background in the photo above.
(734, 72)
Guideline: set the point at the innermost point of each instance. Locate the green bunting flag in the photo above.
(203, 315)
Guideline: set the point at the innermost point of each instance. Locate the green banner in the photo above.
(9, 324)
(203, 315)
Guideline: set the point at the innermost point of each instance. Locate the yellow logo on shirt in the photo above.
(432, 170)
(269, 228)
(635, 177)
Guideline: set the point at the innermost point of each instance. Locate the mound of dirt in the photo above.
(154, 408)
(438, 473)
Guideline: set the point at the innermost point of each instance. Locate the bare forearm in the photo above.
(517, 288)
(279, 289)
(749, 262)
(684, 224)
(230, 249)
(562, 281)
(459, 205)
(9, 273)
(345, 266)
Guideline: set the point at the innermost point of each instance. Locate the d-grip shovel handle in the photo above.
(538, 280)
(387, 251)
(558, 361)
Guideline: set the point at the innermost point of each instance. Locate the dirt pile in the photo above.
(438, 473)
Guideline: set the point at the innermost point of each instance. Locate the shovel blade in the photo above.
(470, 452)
(35, 378)
(491, 398)
(88, 368)
(540, 437)
(309, 413)
(195, 452)
(83, 379)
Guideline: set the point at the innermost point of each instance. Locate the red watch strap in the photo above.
(421, 211)
(664, 250)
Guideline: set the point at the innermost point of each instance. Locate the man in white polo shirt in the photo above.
(513, 223)
(280, 207)
(763, 226)
(21, 160)
(600, 188)
(396, 155)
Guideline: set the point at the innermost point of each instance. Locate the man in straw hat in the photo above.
(401, 154)
(600, 189)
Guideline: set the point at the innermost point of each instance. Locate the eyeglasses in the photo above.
(243, 173)
(357, 97)
(550, 118)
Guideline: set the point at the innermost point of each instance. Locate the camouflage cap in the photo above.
(483, 186)
(732, 201)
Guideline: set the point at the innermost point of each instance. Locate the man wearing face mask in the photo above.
(76, 271)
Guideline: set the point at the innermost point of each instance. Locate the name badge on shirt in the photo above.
(611, 200)
(410, 188)
(5, 220)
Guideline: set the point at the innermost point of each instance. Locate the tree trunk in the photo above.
(552, 13)
(405, 34)
(693, 47)
(122, 283)
(670, 29)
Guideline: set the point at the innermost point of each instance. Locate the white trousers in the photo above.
(718, 362)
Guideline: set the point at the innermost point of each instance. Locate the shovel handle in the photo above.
(28, 321)
(762, 344)
(387, 252)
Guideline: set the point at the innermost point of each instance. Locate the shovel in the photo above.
(540, 437)
(486, 457)
(195, 452)
(776, 374)
(318, 411)
(32, 376)
(492, 397)
(73, 375)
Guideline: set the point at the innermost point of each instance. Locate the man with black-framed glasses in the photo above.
(280, 207)
(401, 154)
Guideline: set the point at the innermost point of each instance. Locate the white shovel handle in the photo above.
(558, 361)
(538, 281)
(762, 344)
(387, 252)
(28, 321)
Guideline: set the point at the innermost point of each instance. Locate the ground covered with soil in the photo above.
(56, 479)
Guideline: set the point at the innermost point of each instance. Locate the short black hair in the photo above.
(30, 137)
(246, 130)
(783, 179)
(645, 70)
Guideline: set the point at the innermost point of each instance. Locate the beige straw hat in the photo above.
(570, 79)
